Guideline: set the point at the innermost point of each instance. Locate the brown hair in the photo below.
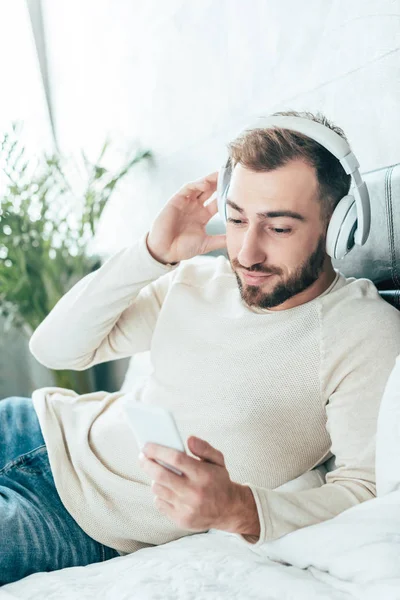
(268, 149)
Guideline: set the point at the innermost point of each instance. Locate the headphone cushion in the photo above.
(340, 234)
(224, 177)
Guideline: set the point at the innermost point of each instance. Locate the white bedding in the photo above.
(354, 555)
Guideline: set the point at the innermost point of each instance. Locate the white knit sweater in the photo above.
(278, 392)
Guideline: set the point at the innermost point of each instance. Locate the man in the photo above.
(271, 362)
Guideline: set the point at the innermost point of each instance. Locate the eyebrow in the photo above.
(272, 214)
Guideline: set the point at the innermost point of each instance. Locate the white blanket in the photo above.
(354, 555)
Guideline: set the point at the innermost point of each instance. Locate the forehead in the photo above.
(291, 187)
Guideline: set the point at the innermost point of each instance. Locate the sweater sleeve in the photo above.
(359, 366)
(109, 314)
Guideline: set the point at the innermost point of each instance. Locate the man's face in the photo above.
(275, 233)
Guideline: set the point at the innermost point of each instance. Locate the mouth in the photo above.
(255, 279)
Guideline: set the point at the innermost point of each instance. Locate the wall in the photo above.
(184, 76)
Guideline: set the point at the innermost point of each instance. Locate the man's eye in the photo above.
(235, 221)
(277, 230)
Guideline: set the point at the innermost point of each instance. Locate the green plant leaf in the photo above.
(46, 226)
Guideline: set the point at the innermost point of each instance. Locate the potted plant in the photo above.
(49, 208)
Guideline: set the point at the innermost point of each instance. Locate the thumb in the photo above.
(205, 451)
(214, 242)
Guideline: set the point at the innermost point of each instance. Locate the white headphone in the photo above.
(351, 219)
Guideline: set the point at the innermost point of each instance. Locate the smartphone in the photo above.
(151, 423)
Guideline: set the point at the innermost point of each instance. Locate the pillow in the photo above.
(388, 436)
(361, 544)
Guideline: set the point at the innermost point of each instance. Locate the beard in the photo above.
(304, 276)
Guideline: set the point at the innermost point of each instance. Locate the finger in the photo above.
(212, 178)
(164, 476)
(188, 193)
(195, 188)
(179, 460)
(212, 205)
(204, 187)
(163, 492)
(206, 197)
(205, 451)
(163, 507)
(188, 465)
(206, 194)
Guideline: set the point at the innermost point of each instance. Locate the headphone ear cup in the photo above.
(341, 229)
(224, 177)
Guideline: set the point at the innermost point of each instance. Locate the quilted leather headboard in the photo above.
(379, 258)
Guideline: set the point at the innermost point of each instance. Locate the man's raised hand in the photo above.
(179, 230)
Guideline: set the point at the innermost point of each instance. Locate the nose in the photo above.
(251, 252)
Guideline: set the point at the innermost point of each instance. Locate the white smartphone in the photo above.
(153, 424)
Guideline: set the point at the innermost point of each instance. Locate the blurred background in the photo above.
(168, 84)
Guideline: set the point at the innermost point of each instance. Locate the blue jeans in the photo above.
(37, 533)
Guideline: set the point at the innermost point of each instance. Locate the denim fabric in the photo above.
(36, 532)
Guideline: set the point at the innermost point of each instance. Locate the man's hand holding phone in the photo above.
(204, 496)
(179, 230)
(195, 492)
